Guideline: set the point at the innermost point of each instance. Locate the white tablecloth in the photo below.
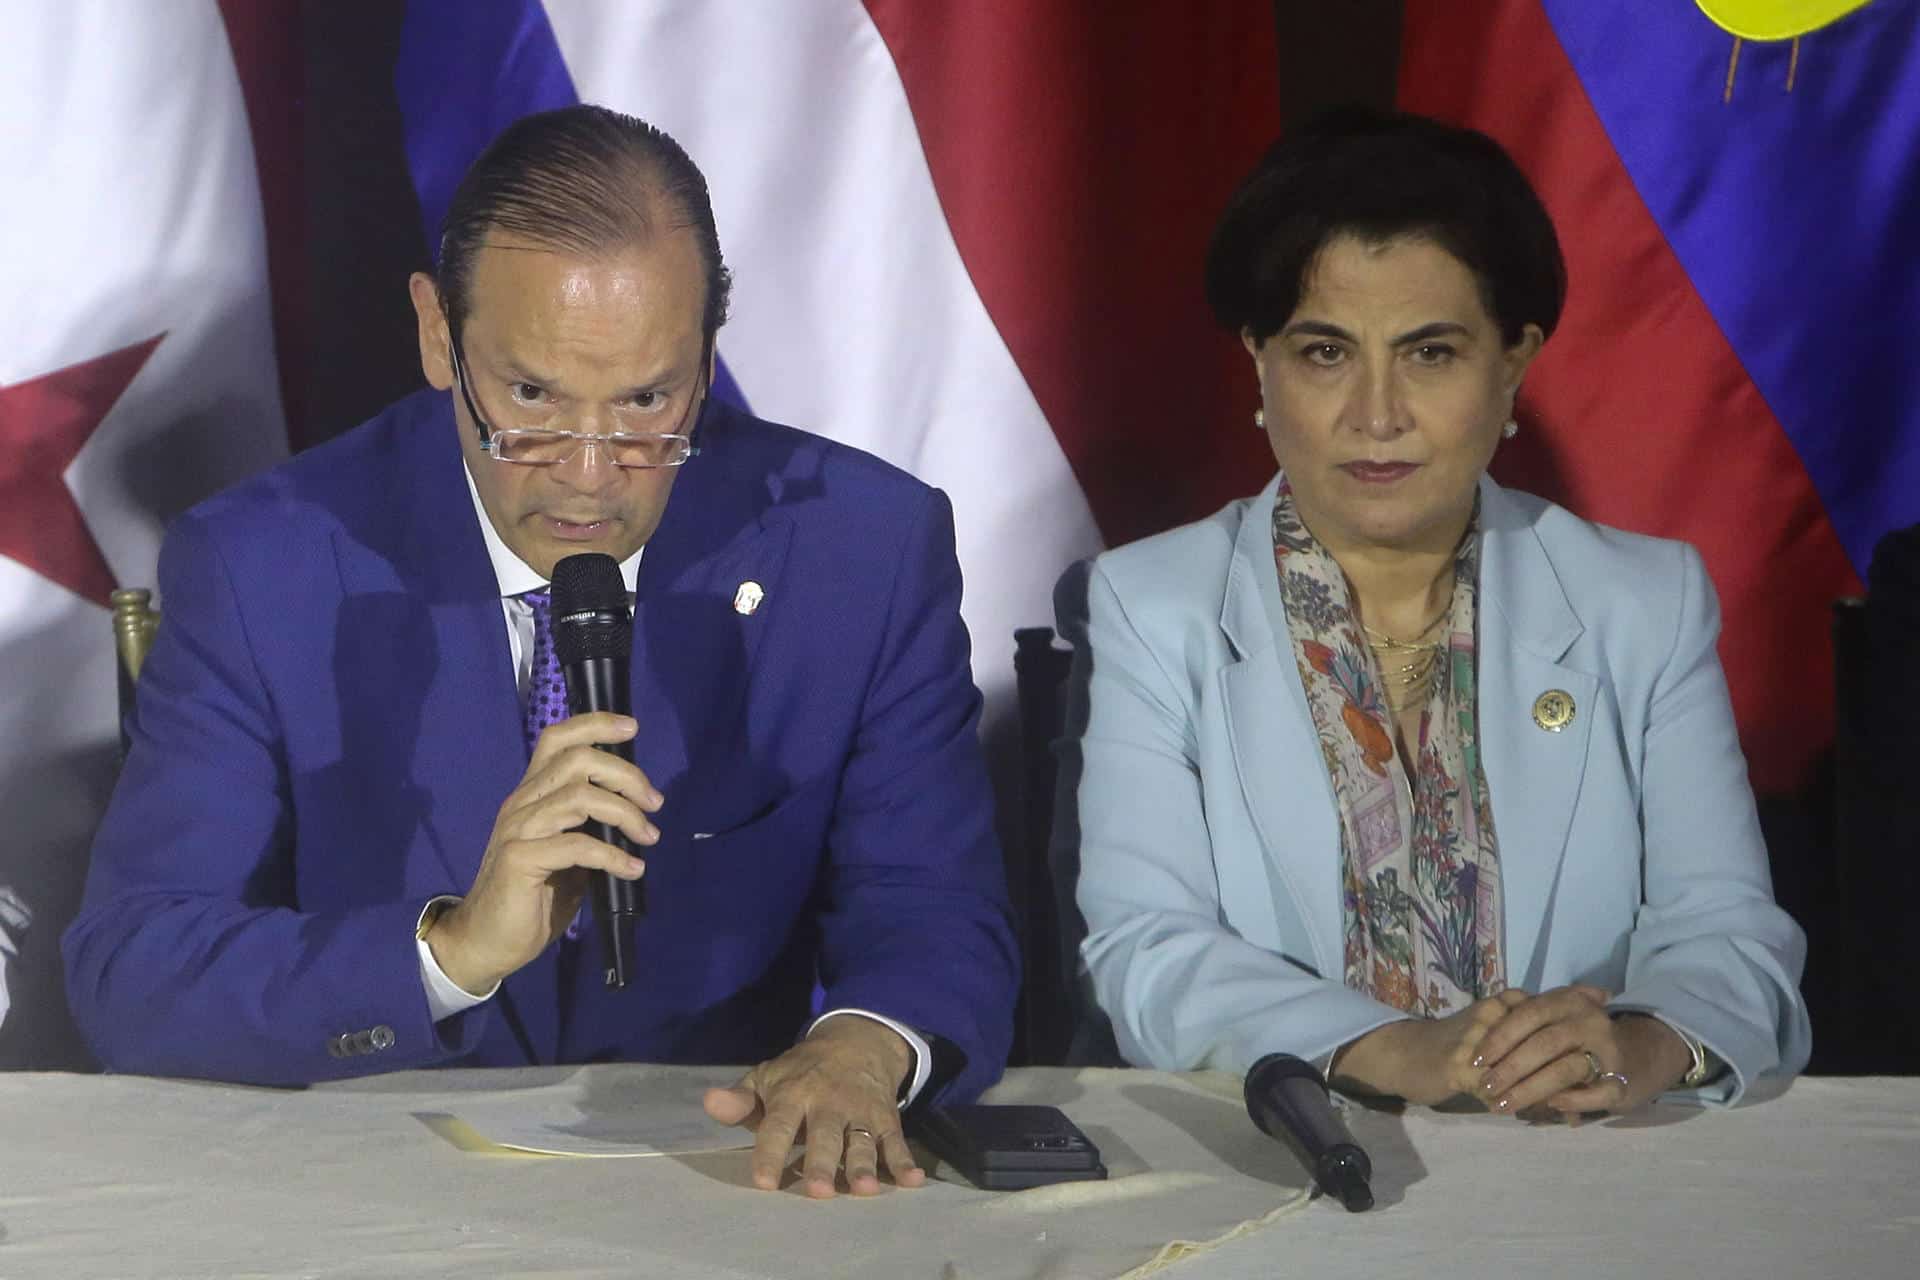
(125, 1177)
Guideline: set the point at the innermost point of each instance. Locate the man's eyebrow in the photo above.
(513, 371)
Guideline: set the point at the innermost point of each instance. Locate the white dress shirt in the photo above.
(446, 997)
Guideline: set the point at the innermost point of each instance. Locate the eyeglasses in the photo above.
(544, 447)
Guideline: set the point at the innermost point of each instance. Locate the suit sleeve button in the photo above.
(381, 1037)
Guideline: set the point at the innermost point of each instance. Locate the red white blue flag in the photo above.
(967, 238)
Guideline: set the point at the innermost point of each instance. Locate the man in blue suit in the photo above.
(345, 837)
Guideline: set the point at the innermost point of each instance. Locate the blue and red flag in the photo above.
(1742, 226)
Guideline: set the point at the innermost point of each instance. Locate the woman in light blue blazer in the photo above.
(1391, 767)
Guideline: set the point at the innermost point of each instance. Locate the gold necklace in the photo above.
(1407, 667)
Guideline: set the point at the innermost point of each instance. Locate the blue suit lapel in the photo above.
(470, 751)
(693, 651)
(472, 747)
(1526, 629)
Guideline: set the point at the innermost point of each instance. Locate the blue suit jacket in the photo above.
(1630, 852)
(328, 725)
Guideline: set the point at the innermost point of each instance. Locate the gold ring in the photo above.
(867, 1133)
(1594, 1073)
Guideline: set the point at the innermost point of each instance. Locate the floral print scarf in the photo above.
(1420, 869)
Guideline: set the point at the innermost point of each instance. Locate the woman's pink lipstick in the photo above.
(1379, 472)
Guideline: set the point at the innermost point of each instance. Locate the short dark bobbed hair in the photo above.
(584, 179)
(1383, 176)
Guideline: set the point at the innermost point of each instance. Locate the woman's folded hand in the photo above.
(1424, 1060)
(1562, 1052)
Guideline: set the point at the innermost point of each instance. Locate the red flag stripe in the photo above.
(1081, 154)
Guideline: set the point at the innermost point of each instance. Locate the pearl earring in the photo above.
(1511, 430)
(1259, 419)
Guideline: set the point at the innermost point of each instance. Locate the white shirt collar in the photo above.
(516, 576)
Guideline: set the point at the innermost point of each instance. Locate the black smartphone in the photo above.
(1008, 1148)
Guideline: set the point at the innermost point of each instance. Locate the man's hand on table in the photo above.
(837, 1091)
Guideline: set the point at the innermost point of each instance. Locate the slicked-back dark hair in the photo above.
(1382, 176)
(584, 179)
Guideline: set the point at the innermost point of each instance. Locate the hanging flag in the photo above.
(967, 238)
(137, 375)
(1732, 368)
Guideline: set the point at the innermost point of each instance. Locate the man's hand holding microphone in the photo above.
(533, 875)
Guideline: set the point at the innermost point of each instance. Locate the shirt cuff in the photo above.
(922, 1051)
(445, 997)
(1712, 1064)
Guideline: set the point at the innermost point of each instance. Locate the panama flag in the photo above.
(1737, 187)
(967, 238)
(137, 375)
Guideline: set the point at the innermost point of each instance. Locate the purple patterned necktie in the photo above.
(546, 693)
(546, 688)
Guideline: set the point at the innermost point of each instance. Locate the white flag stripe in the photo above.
(133, 209)
(853, 313)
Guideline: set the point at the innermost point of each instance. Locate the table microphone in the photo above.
(593, 639)
(1288, 1099)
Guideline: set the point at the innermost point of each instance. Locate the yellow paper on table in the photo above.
(596, 1116)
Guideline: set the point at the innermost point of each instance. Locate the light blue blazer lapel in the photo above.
(1527, 625)
(1283, 776)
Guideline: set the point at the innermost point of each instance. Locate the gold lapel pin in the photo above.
(748, 598)
(1554, 710)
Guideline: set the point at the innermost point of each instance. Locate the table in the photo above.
(115, 1176)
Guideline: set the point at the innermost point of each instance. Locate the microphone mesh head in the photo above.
(588, 583)
(590, 616)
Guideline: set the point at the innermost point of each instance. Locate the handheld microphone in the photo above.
(593, 639)
(1288, 1099)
